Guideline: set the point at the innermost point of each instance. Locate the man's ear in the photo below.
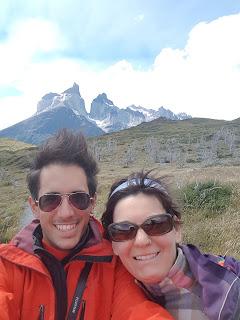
(34, 207)
(94, 200)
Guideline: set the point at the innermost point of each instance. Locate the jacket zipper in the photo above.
(83, 310)
(41, 312)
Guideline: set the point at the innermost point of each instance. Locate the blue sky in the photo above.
(180, 54)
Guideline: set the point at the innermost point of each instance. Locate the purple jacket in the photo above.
(220, 284)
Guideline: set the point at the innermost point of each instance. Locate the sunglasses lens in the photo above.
(158, 225)
(49, 202)
(154, 226)
(80, 200)
(122, 231)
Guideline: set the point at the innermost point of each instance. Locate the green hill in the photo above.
(161, 141)
(15, 158)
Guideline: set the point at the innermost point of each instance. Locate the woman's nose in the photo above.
(142, 239)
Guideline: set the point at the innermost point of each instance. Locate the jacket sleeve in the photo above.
(129, 301)
(232, 264)
(8, 311)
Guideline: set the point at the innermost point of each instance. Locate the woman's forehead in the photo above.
(137, 208)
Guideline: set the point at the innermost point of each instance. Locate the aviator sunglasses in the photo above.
(154, 226)
(50, 201)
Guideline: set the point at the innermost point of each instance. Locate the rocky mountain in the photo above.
(151, 114)
(110, 118)
(67, 109)
(70, 98)
(40, 126)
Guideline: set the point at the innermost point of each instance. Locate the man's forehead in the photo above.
(63, 178)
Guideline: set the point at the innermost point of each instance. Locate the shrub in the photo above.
(209, 195)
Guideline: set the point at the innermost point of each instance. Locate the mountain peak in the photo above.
(70, 98)
(102, 107)
(50, 95)
(102, 98)
(73, 90)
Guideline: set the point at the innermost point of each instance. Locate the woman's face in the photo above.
(147, 258)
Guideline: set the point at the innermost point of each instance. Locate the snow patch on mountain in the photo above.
(103, 112)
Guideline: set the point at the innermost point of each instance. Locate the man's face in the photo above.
(64, 226)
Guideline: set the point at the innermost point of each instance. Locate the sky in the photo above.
(183, 55)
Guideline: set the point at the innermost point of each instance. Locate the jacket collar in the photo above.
(220, 286)
(92, 248)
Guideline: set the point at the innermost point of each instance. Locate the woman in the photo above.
(145, 229)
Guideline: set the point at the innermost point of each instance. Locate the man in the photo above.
(59, 267)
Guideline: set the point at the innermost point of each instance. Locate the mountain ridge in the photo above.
(67, 109)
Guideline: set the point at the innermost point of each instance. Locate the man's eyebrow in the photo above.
(56, 192)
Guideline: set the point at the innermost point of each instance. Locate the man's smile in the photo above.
(65, 227)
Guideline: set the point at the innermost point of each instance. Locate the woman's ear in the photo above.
(179, 235)
(178, 231)
(34, 206)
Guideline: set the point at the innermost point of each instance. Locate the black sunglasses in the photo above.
(154, 226)
(50, 201)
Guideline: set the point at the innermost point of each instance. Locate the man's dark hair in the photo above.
(138, 182)
(68, 148)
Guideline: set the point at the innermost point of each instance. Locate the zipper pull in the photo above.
(83, 310)
(41, 312)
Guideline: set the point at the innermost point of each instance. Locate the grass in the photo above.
(214, 233)
(15, 158)
(211, 196)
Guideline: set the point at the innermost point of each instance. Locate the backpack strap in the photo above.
(77, 298)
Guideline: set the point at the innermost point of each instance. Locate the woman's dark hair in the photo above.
(68, 148)
(138, 182)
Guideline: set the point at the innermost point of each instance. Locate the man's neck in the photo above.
(57, 253)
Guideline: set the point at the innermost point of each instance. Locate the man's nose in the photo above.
(142, 239)
(65, 209)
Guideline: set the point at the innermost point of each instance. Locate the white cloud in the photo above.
(139, 18)
(26, 39)
(15, 109)
(201, 79)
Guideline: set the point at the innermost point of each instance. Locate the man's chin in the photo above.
(65, 244)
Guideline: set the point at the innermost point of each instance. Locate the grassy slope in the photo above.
(218, 233)
(15, 158)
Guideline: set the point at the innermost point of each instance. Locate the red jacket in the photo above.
(28, 291)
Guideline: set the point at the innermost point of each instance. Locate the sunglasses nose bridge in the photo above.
(141, 237)
(63, 196)
(65, 208)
